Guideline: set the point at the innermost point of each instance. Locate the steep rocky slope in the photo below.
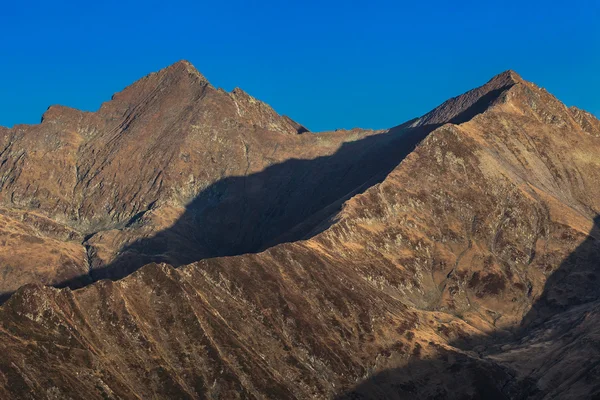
(230, 172)
(468, 272)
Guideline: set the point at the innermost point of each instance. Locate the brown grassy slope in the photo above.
(457, 242)
(131, 169)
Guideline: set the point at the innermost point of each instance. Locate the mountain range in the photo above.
(188, 242)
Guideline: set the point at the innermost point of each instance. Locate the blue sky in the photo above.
(327, 64)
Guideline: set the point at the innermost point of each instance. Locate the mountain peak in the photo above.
(258, 259)
(179, 77)
(508, 76)
(462, 108)
(183, 67)
(185, 63)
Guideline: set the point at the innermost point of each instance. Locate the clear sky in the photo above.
(327, 64)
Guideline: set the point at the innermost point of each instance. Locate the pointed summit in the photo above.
(464, 107)
(184, 63)
(181, 71)
(506, 77)
(183, 67)
(509, 73)
(180, 77)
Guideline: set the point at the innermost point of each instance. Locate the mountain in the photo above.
(284, 265)
(89, 195)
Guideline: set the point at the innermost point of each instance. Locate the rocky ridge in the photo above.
(467, 272)
(170, 149)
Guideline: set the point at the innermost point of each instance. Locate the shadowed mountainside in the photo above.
(246, 214)
(554, 354)
(243, 212)
(285, 202)
(80, 186)
(574, 283)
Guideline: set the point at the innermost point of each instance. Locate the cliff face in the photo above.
(462, 269)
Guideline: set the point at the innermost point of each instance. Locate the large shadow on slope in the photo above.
(575, 282)
(285, 202)
(454, 375)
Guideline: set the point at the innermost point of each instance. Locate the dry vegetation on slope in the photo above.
(172, 148)
(466, 273)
